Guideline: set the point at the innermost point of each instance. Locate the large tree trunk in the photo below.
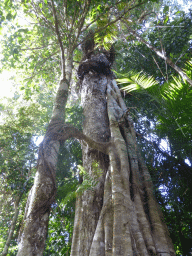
(120, 216)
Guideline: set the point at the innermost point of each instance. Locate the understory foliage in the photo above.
(17, 161)
(43, 47)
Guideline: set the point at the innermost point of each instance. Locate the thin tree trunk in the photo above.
(13, 224)
(35, 224)
(161, 54)
(120, 216)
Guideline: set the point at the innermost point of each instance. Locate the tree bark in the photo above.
(94, 103)
(119, 216)
(35, 224)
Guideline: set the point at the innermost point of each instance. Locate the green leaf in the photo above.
(166, 9)
(9, 16)
(177, 12)
(166, 19)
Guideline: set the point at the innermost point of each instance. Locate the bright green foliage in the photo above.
(36, 60)
(8, 12)
(133, 81)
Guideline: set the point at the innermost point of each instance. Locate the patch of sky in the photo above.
(187, 162)
(38, 139)
(180, 5)
(164, 190)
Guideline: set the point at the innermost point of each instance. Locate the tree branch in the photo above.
(40, 15)
(41, 64)
(60, 41)
(70, 132)
(59, 131)
(160, 54)
(82, 19)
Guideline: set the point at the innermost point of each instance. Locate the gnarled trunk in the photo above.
(120, 216)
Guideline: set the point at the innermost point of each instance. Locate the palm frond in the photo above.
(173, 98)
(188, 69)
(136, 81)
(172, 90)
